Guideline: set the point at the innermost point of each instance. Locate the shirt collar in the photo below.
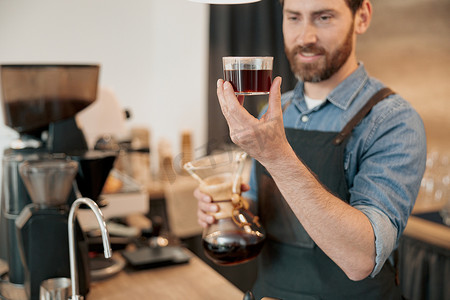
(344, 94)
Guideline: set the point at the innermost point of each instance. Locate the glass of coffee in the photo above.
(250, 75)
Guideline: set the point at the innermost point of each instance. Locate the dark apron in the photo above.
(291, 265)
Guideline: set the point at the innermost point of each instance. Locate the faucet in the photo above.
(105, 237)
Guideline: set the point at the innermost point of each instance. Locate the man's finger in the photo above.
(201, 196)
(203, 224)
(221, 97)
(234, 108)
(205, 218)
(245, 187)
(274, 108)
(241, 99)
(208, 207)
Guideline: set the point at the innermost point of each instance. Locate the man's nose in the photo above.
(307, 34)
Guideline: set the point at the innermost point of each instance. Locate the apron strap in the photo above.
(286, 105)
(377, 97)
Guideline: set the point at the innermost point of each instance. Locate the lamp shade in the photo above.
(225, 1)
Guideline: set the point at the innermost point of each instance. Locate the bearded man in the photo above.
(337, 163)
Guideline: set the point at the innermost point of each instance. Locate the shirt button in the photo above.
(305, 119)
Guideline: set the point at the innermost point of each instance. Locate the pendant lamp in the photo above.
(225, 1)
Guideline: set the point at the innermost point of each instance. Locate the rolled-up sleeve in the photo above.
(389, 170)
(385, 235)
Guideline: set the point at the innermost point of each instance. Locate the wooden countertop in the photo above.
(194, 280)
(428, 231)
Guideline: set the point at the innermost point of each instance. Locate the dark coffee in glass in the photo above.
(249, 75)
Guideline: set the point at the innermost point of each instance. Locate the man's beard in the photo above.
(324, 68)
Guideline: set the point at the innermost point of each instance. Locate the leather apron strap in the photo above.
(379, 96)
(291, 266)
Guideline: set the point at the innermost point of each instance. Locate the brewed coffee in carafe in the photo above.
(236, 236)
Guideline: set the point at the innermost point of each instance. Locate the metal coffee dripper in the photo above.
(237, 236)
(48, 179)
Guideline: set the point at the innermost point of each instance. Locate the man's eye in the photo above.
(292, 17)
(325, 18)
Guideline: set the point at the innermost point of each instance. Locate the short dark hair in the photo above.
(354, 5)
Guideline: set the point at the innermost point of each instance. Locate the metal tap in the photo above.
(105, 237)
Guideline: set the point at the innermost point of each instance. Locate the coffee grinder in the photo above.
(40, 102)
(42, 226)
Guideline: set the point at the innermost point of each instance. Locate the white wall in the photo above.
(153, 53)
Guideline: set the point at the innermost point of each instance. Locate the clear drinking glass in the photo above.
(249, 75)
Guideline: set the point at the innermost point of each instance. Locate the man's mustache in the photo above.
(309, 49)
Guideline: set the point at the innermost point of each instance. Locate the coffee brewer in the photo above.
(40, 102)
(42, 226)
(236, 236)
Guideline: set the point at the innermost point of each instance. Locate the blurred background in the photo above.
(153, 53)
(407, 47)
(161, 58)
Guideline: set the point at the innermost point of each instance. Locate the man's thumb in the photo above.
(275, 95)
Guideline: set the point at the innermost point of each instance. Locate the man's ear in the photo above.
(363, 16)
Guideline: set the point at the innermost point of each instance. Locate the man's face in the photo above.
(318, 37)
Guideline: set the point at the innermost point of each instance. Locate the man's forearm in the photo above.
(341, 231)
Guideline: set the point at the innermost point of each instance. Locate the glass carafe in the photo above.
(236, 236)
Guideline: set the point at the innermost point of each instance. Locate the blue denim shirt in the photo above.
(384, 158)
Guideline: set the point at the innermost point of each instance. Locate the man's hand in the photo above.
(319, 211)
(206, 207)
(262, 139)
